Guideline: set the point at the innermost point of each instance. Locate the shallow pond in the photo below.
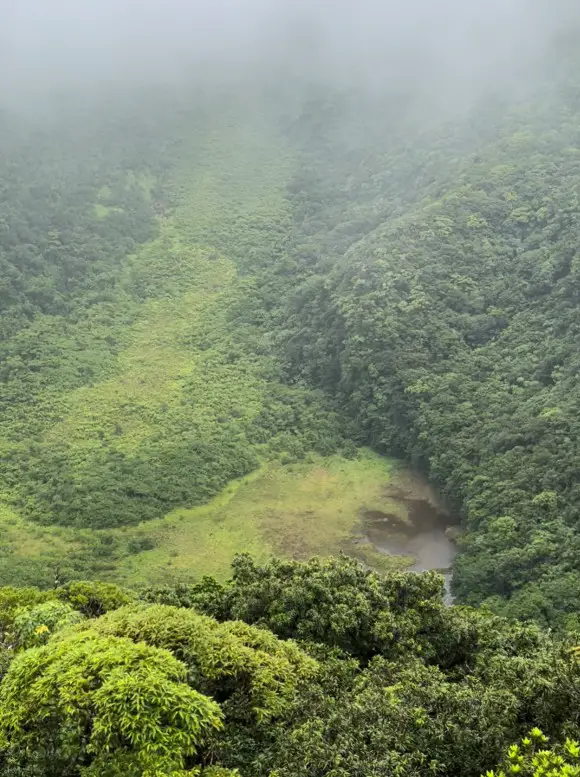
(415, 524)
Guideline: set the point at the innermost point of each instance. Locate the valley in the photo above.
(268, 289)
(290, 389)
(170, 359)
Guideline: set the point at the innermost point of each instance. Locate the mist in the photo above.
(456, 49)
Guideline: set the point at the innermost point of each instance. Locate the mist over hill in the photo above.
(270, 271)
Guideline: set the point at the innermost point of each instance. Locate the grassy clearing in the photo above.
(159, 381)
(296, 511)
(31, 554)
(174, 365)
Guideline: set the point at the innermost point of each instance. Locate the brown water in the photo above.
(413, 524)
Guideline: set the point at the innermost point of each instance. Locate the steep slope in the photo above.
(448, 328)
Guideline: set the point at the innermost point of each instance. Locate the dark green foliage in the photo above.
(408, 719)
(437, 301)
(120, 489)
(51, 247)
(93, 598)
(442, 690)
(208, 596)
(439, 682)
(337, 602)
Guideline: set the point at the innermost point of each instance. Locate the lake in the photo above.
(415, 525)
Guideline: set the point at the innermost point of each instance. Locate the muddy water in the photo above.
(413, 523)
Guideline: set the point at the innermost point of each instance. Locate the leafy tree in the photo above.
(13, 599)
(104, 705)
(93, 598)
(248, 670)
(385, 679)
(335, 601)
(34, 625)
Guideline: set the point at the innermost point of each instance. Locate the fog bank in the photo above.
(451, 45)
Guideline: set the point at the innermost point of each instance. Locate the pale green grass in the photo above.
(138, 178)
(297, 511)
(30, 540)
(156, 372)
(292, 512)
(32, 554)
(233, 178)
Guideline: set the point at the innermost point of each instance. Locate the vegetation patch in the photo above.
(150, 397)
(293, 511)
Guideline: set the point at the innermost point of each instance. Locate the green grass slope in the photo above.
(151, 400)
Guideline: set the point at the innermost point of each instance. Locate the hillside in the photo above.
(207, 293)
(290, 389)
(244, 287)
(443, 317)
(136, 386)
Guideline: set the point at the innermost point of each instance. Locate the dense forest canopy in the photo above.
(292, 669)
(449, 330)
(249, 261)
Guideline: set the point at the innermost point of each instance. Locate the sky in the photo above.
(448, 44)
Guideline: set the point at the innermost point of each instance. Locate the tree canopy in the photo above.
(349, 673)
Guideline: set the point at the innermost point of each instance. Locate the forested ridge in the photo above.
(446, 323)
